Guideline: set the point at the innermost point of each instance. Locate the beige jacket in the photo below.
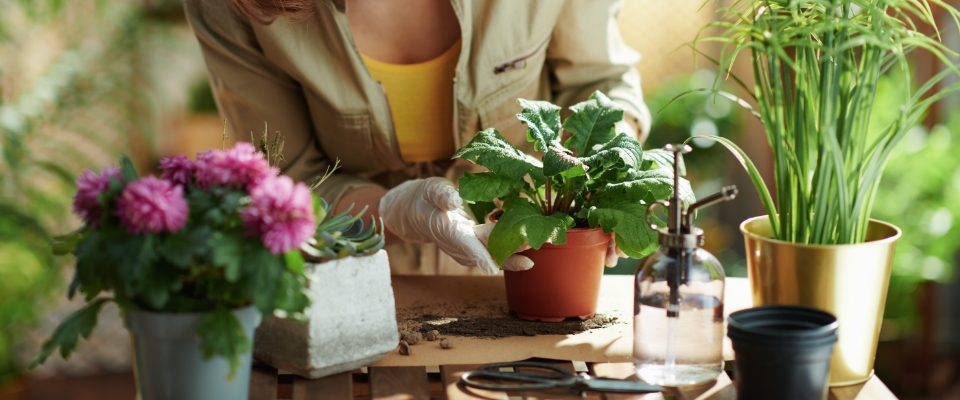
(306, 79)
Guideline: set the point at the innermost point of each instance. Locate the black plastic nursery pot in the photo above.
(782, 352)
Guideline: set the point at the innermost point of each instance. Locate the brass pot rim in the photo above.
(886, 240)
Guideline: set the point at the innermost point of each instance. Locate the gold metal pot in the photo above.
(849, 281)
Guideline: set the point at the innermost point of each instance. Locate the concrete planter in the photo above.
(167, 360)
(351, 322)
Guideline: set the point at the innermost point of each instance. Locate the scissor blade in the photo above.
(620, 386)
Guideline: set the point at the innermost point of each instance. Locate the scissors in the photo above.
(547, 376)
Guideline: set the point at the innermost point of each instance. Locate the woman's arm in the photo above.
(250, 91)
(587, 53)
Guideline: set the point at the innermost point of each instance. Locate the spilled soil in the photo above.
(488, 321)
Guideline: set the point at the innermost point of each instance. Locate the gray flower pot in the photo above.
(352, 320)
(167, 360)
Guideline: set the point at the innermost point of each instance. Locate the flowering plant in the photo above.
(209, 236)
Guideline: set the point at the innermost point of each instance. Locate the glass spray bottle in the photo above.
(678, 297)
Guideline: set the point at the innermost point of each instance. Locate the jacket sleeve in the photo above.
(251, 91)
(587, 53)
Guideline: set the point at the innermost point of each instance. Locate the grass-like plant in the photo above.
(815, 67)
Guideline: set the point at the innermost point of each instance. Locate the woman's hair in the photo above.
(265, 11)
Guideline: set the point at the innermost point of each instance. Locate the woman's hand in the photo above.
(515, 262)
(431, 211)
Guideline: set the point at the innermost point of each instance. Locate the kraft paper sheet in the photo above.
(609, 344)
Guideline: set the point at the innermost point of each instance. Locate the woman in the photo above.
(391, 88)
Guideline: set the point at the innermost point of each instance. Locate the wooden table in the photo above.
(441, 382)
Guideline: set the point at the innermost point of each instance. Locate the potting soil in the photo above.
(489, 321)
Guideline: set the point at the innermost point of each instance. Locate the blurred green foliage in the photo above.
(675, 119)
(75, 92)
(920, 193)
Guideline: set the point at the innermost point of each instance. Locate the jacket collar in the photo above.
(339, 5)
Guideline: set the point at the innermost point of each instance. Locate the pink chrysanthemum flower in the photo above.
(240, 167)
(280, 213)
(151, 205)
(86, 202)
(178, 169)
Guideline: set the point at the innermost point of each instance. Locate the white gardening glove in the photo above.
(431, 211)
(515, 262)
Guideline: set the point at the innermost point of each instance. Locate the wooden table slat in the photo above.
(721, 389)
(263, 383)
(339, 386)
(450, 375)
(399, 383)
(872, 389)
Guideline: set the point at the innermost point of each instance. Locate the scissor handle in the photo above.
(664, 203)
(529, 380)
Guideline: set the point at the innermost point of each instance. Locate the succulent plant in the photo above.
(342, 235)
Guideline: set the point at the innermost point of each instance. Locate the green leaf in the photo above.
(656, 185)
(66, 244)
(592, 123)
(228, 253)
(291, 297)
(480, 209)
(294, 261)
(623, 152)
(754, 176)
(221, 335)
(522, 222)
(68, 333)
(543, 123)
(660, 158)
(180, 248)
(557, 160)
(157, 280)
(263, 272)
(127, 171)
(132, 255)
(628, 220)
(543, 130)
(487, 186)
(489, 149)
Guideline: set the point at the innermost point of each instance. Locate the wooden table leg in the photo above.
(339, 386)
(399, 383)
(263, 383)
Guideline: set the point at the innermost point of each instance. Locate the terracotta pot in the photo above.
(564, 281)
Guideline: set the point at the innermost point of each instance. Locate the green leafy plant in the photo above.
(815, 66)
(594, 178)
(209, 236)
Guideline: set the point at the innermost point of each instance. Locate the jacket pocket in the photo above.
(349, 140)
(501, 114)
(521, 60)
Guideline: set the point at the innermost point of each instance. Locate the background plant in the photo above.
(80, 82)
(815, 66)
(596, 177)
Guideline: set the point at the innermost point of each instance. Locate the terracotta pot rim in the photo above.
(884, 241)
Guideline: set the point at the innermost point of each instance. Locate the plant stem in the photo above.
(547, 200)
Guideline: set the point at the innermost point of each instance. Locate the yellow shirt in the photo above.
(421, 101)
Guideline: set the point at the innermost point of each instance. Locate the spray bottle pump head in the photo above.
(680, 232)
